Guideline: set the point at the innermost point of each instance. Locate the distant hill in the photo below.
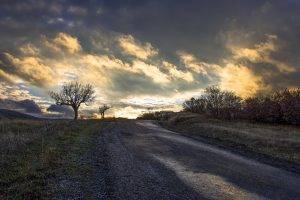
(27, 106)
(11, 114)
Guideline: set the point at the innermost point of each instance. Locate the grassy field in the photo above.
(276, 141)
(34, 154)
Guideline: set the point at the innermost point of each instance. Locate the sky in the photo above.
(147, 55)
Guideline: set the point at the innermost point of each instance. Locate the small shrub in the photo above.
(161, 115)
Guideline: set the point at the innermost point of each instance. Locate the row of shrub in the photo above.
(275, 107)
(158, 115)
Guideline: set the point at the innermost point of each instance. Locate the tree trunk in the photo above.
(75, 113)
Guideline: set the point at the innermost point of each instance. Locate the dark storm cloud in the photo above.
(174, 25)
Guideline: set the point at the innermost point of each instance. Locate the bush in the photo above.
(276, 107)
(217, 103)
(161, 115)
(147, 116)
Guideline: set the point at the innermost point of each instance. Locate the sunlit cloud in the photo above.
(29, 49)
(132, 47)
(240, 79)
(174, 72)
(151, 71)
(31, 69)
(63, 41)
(194, 64)
(261, 53)
(6, 77)
(16, 92)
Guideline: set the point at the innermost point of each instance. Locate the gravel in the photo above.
(140, 160)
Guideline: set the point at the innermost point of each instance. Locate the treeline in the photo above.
(276, 107)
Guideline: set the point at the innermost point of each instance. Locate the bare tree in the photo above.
(74, 94)
(215, 102)
(103, 109)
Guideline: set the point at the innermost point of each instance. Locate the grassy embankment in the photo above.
(281, 142)
(35, 153)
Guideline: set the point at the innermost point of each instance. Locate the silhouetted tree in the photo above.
(276, 107)
(289, 102)
(195, 105)
(74, 94)
(103, 109)
(217, 103)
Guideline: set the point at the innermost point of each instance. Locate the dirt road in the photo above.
(139, 160)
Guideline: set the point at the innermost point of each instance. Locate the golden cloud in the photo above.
(63, 41)
(233, 76)
(151, 71)
(8, 91)
(192, 63)
(240, 79)
(187, 76)
(137, 49)
(105, 61)
(32, 69)
(29, 49)
(7, 77)
(261, 53)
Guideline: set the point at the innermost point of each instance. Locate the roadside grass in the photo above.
(276, 141)
(35, 153)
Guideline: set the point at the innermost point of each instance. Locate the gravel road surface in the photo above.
(140, 160)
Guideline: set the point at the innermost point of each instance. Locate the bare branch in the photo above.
(103, 109)
(74, 94)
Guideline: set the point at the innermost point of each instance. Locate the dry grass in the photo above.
(277, 141)
(34, 153)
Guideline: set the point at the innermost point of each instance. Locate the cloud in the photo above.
(174, 72)
(261, 53)
(192, 63)
(63, 41)
(102, 70)
(16, 92)
(172, 101)
(105, 62)
(135, 105)
(151, 71)
(77, 10)
(29, 50)
(30, 69)
(128, 112)
(231, 74)
(132, 47)
(6, 77)
(240, 79)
